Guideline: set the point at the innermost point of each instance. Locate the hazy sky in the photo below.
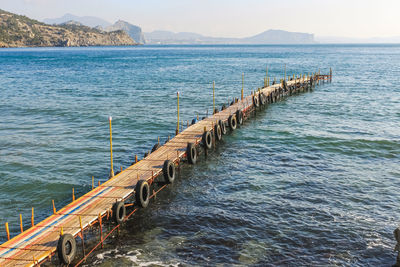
(231, 18)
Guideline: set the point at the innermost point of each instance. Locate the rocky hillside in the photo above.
(135, 32)
(21, 31)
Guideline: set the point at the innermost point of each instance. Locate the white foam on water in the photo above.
(135, 258)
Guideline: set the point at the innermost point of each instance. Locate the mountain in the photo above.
(280, 37)
(86, 20)
(135, 32)
(21, 31)
(267, 37)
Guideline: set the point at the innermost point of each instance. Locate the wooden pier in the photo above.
(63, 233)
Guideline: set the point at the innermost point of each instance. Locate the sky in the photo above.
(231, 18)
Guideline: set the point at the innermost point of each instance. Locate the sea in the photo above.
(312, 180)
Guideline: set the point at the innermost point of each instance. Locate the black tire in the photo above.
(223, 107)
(169, 171)
(239, 116)
(142, 193)
(218, 132)
(194, 121)
(262, 99)
(66, 249)
(216, 111)
(191, 153)
(223, 127)
(146, 154)
(256, 103)
(284, 84)
(118, 212)
(207, 140)
(232, 122)
(155, 147)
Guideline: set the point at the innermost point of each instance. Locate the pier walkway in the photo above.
(41, 242)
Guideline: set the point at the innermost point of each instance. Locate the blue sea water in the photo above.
(312, 180)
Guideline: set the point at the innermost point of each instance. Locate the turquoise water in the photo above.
(312, 180)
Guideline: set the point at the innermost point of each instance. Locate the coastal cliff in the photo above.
(21, 31)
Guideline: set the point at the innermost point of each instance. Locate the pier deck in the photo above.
(38, 243)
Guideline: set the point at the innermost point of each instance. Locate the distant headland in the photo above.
(21, 31)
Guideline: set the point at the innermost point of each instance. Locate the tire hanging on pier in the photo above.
(232, 122)
(207, 140)
(155, 147)
(218, 132)
(142, 193)
(169, 171)
(66, 249)
(118, 212)
(239, 117)
(262, 99)
(191, 153)
(223, 127)
(255, 101)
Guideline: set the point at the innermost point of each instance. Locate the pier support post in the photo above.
(177, 122)
(111, 153)
(242, 85)
(101, 230)
(33, 217)
(213, 98)
(54, 207)
(20, 223)
(82, 237)
(7, 231)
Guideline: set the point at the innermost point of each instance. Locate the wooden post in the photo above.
(20, 223)
(92, 182)
(242, 85)
(330, 74)
(33, 218)
(82, 237)
(7, 231)
(213, 97)
(111, 154)
(54, 207)
(177, 123)
(73, 194)
(101, 231)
